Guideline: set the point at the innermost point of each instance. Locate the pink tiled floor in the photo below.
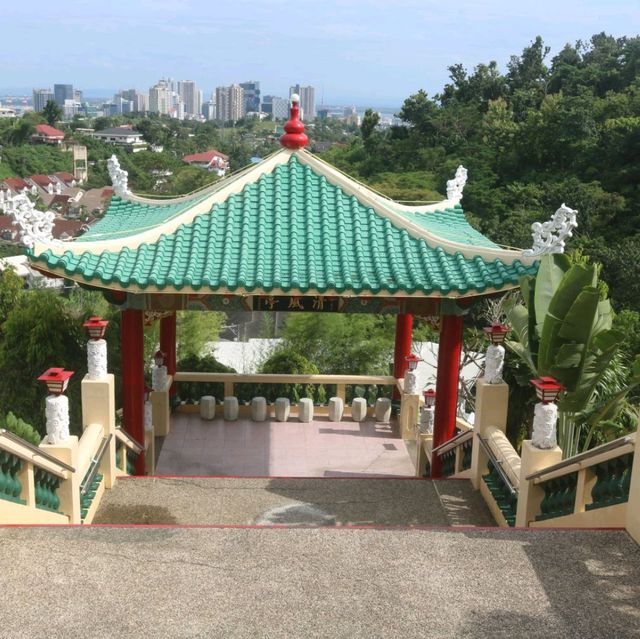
(288, 449)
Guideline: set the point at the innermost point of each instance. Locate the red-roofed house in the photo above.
(211, 160)
(14, 185)
(67, 179)
(46, 134)
(43, 181)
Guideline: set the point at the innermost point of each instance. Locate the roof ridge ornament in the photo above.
(119, 177)
(550, 236)
(295, 137)
(455, 186)
(35, 226)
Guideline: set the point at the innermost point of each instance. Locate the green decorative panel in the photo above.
(506, 500)
(10, 486)
(46, 487)
(612, 483)
(290, 230)
(559, 497)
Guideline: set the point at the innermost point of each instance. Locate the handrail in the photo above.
(453, 442)
(279, 378)
(95, 464)
(463, 424)
(497, 464)
(34, 450)
(578, 459)
(128, 441)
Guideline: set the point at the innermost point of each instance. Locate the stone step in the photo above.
(293, 502)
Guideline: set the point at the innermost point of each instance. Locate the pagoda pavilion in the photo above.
(292, 233)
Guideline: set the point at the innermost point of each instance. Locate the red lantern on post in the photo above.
(547, 389)
(429, 397)
(158, 358)
(96, 327)
(496, 333)
(412, 361)
(56, 379)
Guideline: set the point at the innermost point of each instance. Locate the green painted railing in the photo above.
(612, 483)
(131, 469)
(559, 496)
(506, 499)
(467, 449)
(46, 487)
(448, 461)
(10, 486)
(86, 499)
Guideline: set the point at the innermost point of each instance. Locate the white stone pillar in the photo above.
(57, 414)
(427, 418)
(97, 359)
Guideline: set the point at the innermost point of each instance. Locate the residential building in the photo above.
(122, 136)
(62, 92)
(191, 96)
(209, 110)
(160, 98)
(276, 108)
(46, 134)
(307, 101)
(211, 160)
(8, 112)
(230, 103)
(251, 96)
(41, 97)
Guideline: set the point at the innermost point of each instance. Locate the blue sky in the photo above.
(365, 52)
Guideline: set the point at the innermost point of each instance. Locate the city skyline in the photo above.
(360, 52)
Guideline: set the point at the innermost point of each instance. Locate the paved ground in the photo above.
(316, 583)
(325, 502)
(319, 449)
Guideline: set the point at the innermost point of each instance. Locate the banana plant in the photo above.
(564, 329)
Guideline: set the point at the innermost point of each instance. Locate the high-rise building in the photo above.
(40, 98)
(62, 92)
(160, 98)
(277, 108)
(230, 103)
(140, 101)
(191, 97)
(307, 101)
(251, 96)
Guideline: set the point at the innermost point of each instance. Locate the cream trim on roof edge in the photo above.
(335, 177)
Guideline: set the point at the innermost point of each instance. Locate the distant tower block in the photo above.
(80, 165)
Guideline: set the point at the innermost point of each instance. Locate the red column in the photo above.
(131, 341)
(404, 326)
(449, 351)
(168, 345)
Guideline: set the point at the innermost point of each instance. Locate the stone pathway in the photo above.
(288, 449)
(73, 583)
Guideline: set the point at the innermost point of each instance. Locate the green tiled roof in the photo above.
(124, 218)
(450, 224)
(293, 230)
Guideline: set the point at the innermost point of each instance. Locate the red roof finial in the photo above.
(295, 137)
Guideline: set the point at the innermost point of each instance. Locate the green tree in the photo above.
(52, 112)
(194, 329)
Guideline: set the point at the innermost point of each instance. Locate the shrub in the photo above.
(20, 428)
(290, 362)
(193, 391)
